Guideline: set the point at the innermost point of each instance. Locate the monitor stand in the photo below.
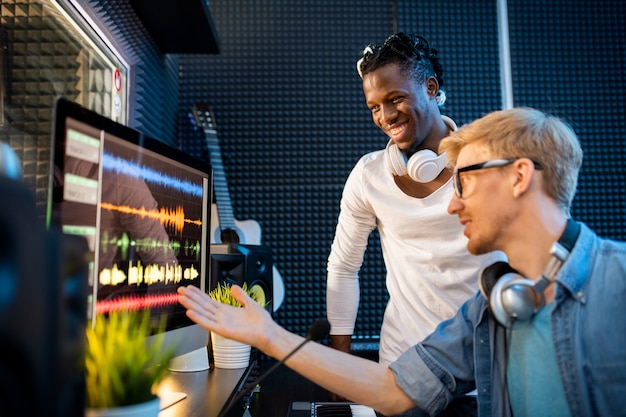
(194, 361)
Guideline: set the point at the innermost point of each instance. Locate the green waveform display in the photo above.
(124, 243)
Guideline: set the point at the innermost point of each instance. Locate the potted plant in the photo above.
(222, 294)
(228, 353)
(121, 369)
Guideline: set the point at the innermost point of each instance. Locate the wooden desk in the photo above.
(207, 391)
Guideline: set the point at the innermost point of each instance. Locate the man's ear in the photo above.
(432, 86)
(524, 174)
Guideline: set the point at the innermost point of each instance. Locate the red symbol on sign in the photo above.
(117, 78)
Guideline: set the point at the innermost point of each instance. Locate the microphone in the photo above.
(317, 331)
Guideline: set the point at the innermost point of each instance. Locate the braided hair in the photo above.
(412, 53)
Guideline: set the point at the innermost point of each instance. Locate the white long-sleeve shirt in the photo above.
(430, 273)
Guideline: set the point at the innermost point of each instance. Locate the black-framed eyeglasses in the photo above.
(494, 163)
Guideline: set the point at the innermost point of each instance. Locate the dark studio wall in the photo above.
(153, 97)
(290, 113)
(292, 120)
(570, 59)
(42, 59)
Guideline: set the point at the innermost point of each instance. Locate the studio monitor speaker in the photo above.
(43, 296)
(250, 264)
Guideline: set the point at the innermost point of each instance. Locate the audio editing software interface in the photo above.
(144, 215)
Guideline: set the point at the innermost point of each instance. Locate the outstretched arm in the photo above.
(358, 379)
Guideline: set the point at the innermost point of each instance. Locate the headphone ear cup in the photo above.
(513, 298)
(396, 161)
(490, 275)
(425, 165)
(509, 295)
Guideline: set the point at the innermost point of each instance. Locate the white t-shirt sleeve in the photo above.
(354, 225)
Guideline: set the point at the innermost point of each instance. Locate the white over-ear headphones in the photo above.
(422, 166)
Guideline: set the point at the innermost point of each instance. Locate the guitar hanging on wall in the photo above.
(224, 227)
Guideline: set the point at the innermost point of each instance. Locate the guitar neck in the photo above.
(220, 187)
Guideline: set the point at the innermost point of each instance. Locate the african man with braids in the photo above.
(403, 190)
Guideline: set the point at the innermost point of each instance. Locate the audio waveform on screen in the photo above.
(134, 170)
(148, 274)
(168, 217)
(136, 303)
(188, 248)
(124, 243)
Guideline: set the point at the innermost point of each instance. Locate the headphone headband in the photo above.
(512, 297)
(560, 250)
(570, 235)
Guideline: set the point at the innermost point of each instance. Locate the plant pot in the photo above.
(147, 409)
(228, 353)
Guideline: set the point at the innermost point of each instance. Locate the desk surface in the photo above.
(207, 391)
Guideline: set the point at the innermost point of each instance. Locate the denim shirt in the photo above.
(588, 326)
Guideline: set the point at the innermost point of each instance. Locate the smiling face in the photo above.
(402, 108)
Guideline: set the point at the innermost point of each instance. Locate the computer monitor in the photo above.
(144, 209)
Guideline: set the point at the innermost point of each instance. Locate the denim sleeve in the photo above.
(416, 379)
(441, 367)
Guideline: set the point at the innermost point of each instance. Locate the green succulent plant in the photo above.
(120, 367)
(222, 294)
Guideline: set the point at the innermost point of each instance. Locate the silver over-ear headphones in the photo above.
(422, 166)
(510, 296)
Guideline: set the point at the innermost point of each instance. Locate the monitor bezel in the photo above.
(189, 340)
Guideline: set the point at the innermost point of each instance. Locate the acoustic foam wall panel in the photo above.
(292, 122)
(38, 64)
(42, 59)
(466, 35)
(569, 60)
(154, 90)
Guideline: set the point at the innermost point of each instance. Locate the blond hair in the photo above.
(530, 133)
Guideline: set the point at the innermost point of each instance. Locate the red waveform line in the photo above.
(136, 303)
(167, 217)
